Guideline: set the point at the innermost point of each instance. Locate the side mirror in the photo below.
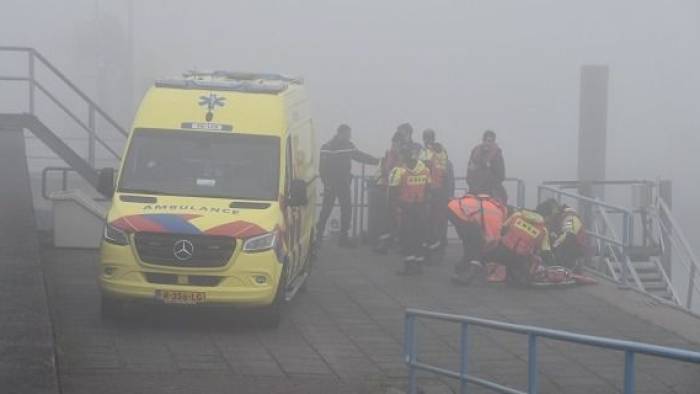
(297, 193)
(105, 182)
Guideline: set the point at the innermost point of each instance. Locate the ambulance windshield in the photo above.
(202, 164)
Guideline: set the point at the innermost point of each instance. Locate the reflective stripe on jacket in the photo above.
(412, 183)
(570, 224)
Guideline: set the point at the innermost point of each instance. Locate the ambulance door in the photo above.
(292, 216)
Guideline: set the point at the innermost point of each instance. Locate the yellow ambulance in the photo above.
(214, 201)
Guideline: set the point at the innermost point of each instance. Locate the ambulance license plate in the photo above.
(181, 297)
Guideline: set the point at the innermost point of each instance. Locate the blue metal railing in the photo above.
(533, 333)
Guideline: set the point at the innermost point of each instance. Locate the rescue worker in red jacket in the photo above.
(478, 221)
(386, 222)
(434, 155)
(486, 169)
(523, 247)
(567, 233)
(409, 189)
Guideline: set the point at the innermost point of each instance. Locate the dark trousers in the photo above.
(331, 192)
(471, 235)
(518, 267)
(568, 252)
(412, 229)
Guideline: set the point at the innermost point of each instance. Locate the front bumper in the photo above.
(239, 283)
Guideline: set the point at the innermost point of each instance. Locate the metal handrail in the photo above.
(579, 197)
(625, 263)
(76, 119)
(678, 239)
(93, 108)
(630, 348)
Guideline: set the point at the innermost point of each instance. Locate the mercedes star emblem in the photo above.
(183, 250)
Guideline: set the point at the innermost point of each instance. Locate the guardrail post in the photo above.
(410, 351)
(362, 200)
(91, 135)
(31, 81)
(629, 372)
(691, 287)
(464, 355)
(532, 370)
(625, 246)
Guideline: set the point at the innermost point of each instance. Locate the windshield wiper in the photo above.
(143, 191)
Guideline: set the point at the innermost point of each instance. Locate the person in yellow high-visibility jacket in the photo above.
(409, 185)
(435, 157)
(567, 233)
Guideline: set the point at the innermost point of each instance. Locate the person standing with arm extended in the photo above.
(486, 169)
(335, 169)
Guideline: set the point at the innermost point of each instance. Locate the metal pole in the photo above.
(411, 350)
(362, 200)
(629, 372)
(354, 206)
(691, 285)
(91, 135)
(532, 373)
(31, 81)
(64, 180)
(464, 366)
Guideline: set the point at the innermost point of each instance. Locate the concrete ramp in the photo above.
(27, 357)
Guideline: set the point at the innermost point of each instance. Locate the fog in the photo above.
(456, 66)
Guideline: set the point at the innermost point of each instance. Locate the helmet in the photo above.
(405, 128)
(343, 128)
(548, 207)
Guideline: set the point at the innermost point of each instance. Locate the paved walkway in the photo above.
(26, 342)
(344, 336)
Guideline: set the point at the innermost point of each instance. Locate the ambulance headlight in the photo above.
(115, 236)
(260, 243)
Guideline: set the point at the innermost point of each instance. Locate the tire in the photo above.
(110, 308)
(270, 316)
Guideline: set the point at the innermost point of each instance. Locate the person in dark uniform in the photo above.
(335, 169)
(486, 169)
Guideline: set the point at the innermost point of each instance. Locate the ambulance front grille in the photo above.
(184, 250)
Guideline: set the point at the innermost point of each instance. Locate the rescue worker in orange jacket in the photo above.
(435, 157)
(478, 221)
(567, 233)
(386, 223)
(409, 190)
(523, 246)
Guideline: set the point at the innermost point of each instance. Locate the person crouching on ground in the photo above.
(478, 221)
(567, 233)
(523, 248)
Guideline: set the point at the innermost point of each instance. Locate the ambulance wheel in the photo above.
(270, 316)
(110, 308)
